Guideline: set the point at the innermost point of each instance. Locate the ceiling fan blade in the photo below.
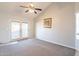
(35, 12)
(26, 10)
(38, 9)
(24, 6)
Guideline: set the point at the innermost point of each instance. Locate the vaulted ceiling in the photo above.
(13, 9)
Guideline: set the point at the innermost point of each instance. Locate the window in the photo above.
(77, 26)
(15, 30)
(24, 29)
(19, 30)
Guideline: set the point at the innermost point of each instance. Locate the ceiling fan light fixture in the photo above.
(31, 10)
(31, 5)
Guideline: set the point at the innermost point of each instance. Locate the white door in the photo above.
(19, 30)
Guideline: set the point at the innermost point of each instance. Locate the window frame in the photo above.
(20, 37)
(77, 33)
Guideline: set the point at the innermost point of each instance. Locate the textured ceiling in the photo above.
(13, 9)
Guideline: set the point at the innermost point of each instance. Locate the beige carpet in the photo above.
(33, 47)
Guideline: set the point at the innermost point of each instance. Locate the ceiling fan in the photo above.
(31, 8)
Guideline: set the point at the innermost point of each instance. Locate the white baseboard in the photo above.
(77, 49)
(59, 44)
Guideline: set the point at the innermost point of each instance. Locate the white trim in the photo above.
(77, 49)
(59, 44)
(20, 30)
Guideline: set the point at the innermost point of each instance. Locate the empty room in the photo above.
(39, 29)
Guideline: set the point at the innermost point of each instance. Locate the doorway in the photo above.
(19, 30)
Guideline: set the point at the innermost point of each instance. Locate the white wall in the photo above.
(63, 27)
(4, 29)
(31, 28)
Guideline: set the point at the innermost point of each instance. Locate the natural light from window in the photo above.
(19, 30)
(24, 30)
(77, 25)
